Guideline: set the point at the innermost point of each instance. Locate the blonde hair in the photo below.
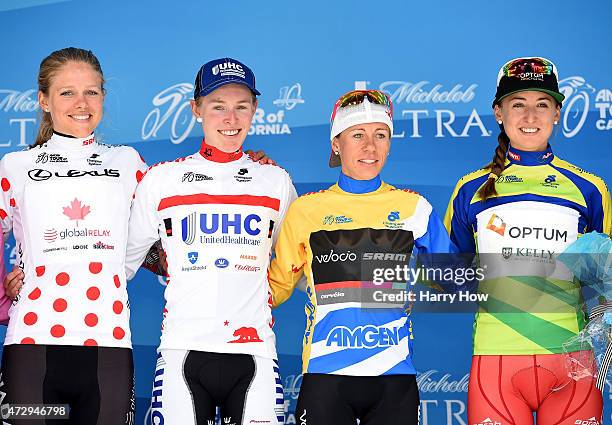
(48, 68)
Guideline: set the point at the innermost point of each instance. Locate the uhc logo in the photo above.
(210, 224)
(363, 337)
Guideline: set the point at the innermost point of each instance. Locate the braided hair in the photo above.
(496, 166)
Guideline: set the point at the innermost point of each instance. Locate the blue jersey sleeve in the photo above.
(457, 221)
(436, 239)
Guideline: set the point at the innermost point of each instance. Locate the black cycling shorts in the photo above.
(374, 400)
(96, 382)
(189, 385)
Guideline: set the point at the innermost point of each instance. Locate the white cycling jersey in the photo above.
(217, 215)
(67, 202)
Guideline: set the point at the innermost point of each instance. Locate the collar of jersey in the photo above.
(70, 143)
(211, 153)
(519, 157)
(351, 185)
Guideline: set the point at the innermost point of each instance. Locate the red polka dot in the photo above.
(28, 341)
(35, 294)
(12, 202)
(95, 268)
(91, 320)
(60, 305)
(3, 214)
(90, 343)
(5, 184)
(30, 318)
(58, 331)
(139, 175)
(117, 281)
(62, 279)
(118, 307)
(40, 270)
(118, 333)
(93, 293)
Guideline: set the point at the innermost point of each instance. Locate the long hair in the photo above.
(48, 68)
(496, 166)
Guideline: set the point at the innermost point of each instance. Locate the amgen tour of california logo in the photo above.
(578, 99)
(172, 112)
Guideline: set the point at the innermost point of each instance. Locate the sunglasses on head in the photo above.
(526, 65)
(356, 97)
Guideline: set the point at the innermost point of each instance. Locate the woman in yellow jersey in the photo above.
(357, 358)
(518, 212)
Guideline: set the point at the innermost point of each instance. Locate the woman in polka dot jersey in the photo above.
(67, 201)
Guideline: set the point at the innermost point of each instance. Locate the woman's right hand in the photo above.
(13, 282)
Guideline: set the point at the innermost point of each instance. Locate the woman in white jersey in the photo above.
(217, 213)
(67, 201)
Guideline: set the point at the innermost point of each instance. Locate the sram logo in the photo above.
(368, 336)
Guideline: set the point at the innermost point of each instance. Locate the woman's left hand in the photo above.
(260, 156)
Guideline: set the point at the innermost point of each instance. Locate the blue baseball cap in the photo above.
(220, 72)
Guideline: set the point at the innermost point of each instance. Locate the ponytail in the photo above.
(45, 130)
(496, 166)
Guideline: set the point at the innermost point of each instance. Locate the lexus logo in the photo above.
(39, 175)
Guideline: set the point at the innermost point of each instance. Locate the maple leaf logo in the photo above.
(76, 211)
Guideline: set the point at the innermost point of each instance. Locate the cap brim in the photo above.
(557, 96)
(208, 90)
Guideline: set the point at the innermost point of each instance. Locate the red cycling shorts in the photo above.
(508, 389)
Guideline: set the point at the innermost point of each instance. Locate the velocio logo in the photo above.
(334, 257)
(363, 337)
